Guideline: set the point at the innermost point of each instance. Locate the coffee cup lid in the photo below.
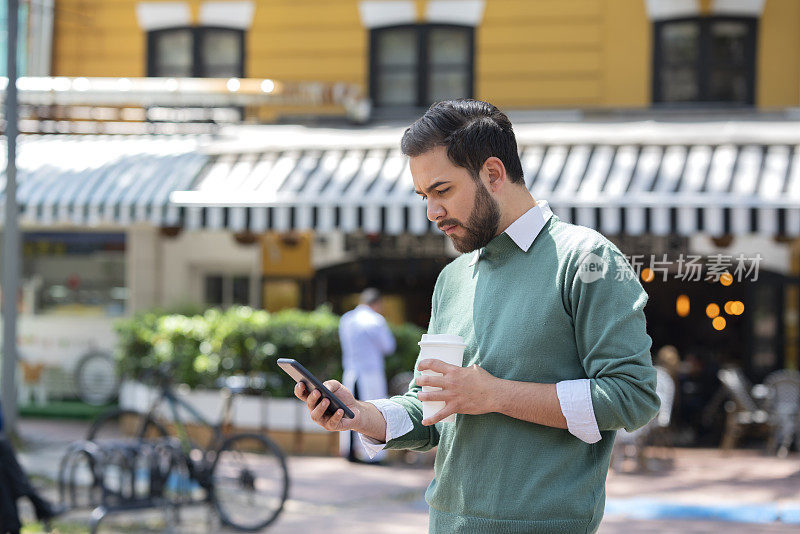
(441, 339)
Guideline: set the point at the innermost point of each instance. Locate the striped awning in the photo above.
(663, 189)
(90, 181)
(366, 190)
(647, 181)
(629, 189)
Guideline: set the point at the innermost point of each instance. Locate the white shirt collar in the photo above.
(525, 229)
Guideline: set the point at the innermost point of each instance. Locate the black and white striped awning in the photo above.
(93, 181)
(642, 184)
(629, 189)
(366, 190)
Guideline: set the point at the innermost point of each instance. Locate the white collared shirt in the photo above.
(574, 396)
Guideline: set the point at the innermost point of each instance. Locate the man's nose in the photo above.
(435, 210)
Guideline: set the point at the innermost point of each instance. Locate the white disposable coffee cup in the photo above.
(444, 347)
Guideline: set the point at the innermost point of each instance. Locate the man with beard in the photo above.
(557, 356)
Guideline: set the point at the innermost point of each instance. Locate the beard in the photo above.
(481, 226)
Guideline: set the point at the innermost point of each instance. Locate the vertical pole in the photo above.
(10, 259)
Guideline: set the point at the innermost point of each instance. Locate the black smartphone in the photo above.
(296, 370)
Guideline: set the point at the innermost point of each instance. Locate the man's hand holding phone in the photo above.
(317, 405)
(366, 418)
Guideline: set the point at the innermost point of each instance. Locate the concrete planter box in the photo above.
(285, 420)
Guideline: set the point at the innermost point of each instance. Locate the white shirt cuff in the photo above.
(575, 398)
(398, 423)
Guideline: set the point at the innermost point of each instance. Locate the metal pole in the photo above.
(11, 249)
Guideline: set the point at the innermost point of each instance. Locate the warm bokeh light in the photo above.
(737, 307)
(718, 323)
(682, 305)
(712, 310)
(726, 279)
(648, 275)
(729, 307)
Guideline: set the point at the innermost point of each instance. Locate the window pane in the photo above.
(221, 53)
(213, 294)
(397, 48)
(680, 42)
(448, 46)
(444, 85)
(73, 273)
(729, 43)
(679, 84)
(173, 53)
(396, 88)
(241, 290)
(728, 85)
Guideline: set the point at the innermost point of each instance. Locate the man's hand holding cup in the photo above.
(448, 388)
(464, 390)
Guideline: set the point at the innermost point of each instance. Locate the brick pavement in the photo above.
(332, 495)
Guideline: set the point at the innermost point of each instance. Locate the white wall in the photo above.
(186, 258)
(328, 249)
(776, 257)
(142, 270)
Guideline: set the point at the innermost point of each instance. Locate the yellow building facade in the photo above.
(528, 54)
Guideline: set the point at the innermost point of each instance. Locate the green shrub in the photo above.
(405, 356)
(201, 348)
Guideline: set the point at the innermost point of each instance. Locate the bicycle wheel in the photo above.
(249, 482)
(96, 378)
(119, 424)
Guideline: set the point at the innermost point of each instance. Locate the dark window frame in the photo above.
(423, 63)
(703, 65)
(197, 33)
(227, 280)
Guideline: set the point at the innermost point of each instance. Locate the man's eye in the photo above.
(443, 191)
(423, 197)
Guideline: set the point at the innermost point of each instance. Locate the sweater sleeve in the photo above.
(420, 437)
(607, 305)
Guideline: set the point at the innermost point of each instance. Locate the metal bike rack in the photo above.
(122, 476)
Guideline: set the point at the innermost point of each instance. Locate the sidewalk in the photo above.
(704, 492)
(707, 491)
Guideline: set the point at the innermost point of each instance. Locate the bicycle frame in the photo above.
(196, 481)
(168, 396)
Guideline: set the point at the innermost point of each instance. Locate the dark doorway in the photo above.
(749, 335)
(411, 280)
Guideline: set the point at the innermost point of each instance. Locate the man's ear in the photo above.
(496, 173)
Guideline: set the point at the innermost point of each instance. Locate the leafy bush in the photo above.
(405, 356)
(201, 348)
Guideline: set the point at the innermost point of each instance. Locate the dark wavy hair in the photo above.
(472, 130)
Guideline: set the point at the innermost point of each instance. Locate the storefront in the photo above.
(707, 213)
(81, 200)
(283, 216)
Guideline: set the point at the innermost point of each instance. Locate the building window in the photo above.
(67, 273)
(417, 65)
(705, 60)
(196, 53)
(224, 290)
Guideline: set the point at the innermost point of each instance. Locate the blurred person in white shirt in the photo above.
(366, 341)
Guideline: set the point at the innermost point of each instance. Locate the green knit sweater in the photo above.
(533, 317)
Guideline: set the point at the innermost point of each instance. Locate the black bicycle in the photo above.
(242, 476)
